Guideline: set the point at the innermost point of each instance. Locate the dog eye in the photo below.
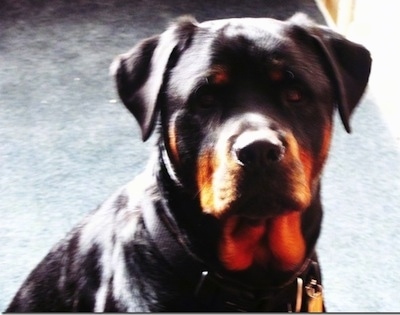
(205, 98)
(293, 95)
(206, 101)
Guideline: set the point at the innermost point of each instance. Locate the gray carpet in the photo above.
(67, 142)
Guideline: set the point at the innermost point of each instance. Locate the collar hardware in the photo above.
(314, 297)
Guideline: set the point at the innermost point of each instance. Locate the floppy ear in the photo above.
(140, 73)
(349, 65)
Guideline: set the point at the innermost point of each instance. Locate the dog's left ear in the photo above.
(349, 63)
(140, 73)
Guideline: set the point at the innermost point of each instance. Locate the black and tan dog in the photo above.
(227, 215)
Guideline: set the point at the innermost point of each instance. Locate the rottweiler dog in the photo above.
(227, 214)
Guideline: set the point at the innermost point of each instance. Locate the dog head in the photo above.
(246, 110)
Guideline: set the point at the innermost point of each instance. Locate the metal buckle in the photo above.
(315, 296)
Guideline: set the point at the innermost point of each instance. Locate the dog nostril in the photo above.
(259, 153)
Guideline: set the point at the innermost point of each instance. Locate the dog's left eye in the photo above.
(205, 98)
(293, 95)
(206, 101)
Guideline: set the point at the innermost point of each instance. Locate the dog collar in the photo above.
(302, 293)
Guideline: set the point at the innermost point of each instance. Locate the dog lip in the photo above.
(255, 219)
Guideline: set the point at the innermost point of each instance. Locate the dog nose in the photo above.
(258, 152)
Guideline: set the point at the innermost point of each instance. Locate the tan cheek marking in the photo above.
(173, 143)
(286, 241)
(303, 176)
(307, 161)
(239, 242)
(313, 165)
(302, 156)
(205, 171)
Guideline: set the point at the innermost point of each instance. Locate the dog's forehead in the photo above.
(257, 30)
(246, 24)
(217, 39)
(247, 38)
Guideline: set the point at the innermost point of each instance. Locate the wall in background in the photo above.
(373, 23)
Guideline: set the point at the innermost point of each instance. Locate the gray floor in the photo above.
(66, 142)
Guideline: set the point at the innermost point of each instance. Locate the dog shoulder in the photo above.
(117, 218)
(77, 272)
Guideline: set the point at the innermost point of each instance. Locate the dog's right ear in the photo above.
(140, 73)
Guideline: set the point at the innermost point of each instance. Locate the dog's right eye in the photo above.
(206, 101)
(204, 98)
(293, 95)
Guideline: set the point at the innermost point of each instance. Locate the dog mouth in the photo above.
(276, 241)
(261, 221)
